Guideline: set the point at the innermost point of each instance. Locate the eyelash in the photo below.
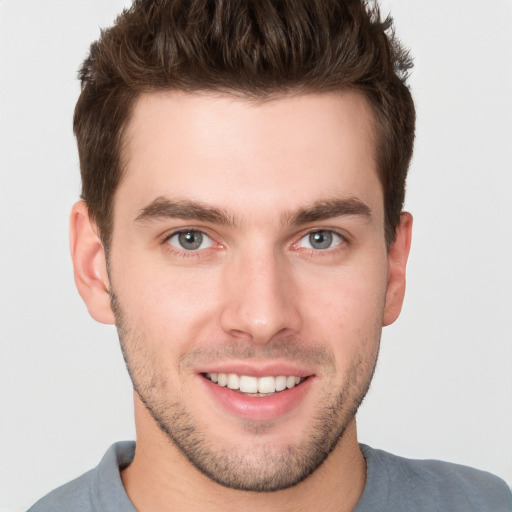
(343, 241)
(335, 237)
(182, 251)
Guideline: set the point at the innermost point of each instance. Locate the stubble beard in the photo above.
(259, 467)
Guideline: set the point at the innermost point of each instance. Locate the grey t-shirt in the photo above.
(393, 484)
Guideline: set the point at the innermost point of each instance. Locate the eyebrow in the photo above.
(329, 209)
(163, 207)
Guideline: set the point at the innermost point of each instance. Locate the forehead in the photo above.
(249, 156)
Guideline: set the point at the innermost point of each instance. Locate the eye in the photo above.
(321, 240)
(190, 240)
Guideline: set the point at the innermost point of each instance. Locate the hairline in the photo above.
(258, 97)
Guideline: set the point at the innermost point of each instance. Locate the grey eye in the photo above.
(190, 240)
(322, 239)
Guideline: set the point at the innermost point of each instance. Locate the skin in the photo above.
(256, 295)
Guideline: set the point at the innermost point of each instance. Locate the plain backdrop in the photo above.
(443, 387)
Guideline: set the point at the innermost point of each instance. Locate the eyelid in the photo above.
(206, 232)
(205, 239)
(344, 239)
(186, 229)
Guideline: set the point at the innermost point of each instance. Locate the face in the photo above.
(249, 276)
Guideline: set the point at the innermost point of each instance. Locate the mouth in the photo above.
(255, 386)
(260, 397)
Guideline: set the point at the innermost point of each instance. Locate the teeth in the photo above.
(233, 381)
(267, 385)
(280, 383)
(248, 384)
(253, 385)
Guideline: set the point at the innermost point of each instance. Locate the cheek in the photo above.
(346, 295)
(176, 307)
(168, 305)
(347, 311)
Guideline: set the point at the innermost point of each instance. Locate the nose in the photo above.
(260, 299)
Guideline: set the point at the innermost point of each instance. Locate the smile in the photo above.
(255, 386)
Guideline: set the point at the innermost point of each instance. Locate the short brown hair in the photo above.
(255, 48)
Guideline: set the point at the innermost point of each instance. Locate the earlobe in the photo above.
(89, 264)
(397, 262)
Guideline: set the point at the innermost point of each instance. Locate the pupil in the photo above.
(191, 240)
(320, 239)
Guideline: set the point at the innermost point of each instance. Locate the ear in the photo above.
(397, 262)
(89, 264)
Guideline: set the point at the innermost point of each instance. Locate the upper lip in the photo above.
(258, 369)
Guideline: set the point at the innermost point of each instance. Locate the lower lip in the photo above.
(258, 408)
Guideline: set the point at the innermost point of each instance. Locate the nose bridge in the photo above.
(259, 296)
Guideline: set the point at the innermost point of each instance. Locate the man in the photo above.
(243, 170)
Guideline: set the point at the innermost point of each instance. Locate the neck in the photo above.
(160, 478)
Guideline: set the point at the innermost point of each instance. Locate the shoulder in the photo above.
(73, 495)
(436, 485)
(97, 490)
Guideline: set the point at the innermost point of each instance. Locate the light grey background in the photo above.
(443, 387)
